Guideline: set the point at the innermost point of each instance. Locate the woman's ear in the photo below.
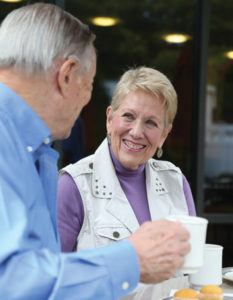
(164, 135)
(109, 119)
(66, 75)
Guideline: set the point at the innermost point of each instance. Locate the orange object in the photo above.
(211, 292)
(186, 294)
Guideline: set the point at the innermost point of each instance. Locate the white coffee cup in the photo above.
(211, 271)
(197, 228)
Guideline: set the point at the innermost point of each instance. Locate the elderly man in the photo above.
(47, 66)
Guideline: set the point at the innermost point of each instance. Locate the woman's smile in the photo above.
(132, 146)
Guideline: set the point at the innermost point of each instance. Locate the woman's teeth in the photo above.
(133, 146)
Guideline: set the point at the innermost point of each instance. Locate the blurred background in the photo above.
(192, 43)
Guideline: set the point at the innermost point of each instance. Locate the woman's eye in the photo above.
(128, 116)
(152, 123)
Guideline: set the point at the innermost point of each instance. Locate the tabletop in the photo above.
(227, 286)
(162, 290)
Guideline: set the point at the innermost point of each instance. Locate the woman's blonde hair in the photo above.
(151, 81)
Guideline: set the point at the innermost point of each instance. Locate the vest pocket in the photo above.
(112, 233)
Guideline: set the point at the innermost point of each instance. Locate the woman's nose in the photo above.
(137, 130)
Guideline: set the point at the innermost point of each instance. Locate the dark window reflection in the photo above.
(219, 113)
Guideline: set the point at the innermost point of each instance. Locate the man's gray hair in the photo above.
(33, 36)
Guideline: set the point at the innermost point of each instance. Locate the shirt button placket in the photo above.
(125, 286)
(29, 148)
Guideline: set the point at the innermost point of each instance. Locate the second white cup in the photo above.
(197, 228)
(211, 271)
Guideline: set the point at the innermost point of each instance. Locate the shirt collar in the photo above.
(33, 130)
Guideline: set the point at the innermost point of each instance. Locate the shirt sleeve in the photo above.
(70, 212)
(189, 197)
(29, 271)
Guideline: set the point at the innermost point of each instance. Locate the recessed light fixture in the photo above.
(229, 54)
(104, 21)
(11, 1)
(176, 38)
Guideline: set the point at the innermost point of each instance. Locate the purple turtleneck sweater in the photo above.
(70, 205)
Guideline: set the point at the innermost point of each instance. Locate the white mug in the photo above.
(197, 228)
(211, 271)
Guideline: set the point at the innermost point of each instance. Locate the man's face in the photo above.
(79, 95)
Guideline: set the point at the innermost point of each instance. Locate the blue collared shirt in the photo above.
(31, 264)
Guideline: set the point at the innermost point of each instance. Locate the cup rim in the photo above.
(194, 220)
(213, 247)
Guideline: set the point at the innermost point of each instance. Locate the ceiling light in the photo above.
(229, 54)
(104, 21)
(11, 0)
(176, 38)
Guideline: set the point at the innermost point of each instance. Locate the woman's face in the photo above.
(137, 128)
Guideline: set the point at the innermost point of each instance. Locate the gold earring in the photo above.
(159, 152)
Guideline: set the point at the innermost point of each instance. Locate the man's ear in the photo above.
(66, 75)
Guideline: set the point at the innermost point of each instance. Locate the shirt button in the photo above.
(125, 286)
(29, 148)
(47, 141)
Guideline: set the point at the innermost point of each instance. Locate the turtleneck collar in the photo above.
(121, 170)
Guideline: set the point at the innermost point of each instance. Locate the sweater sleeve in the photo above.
(70, 212)
(189, 197)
